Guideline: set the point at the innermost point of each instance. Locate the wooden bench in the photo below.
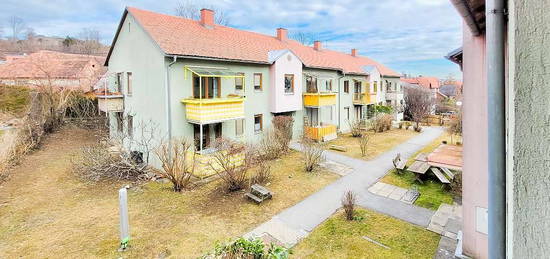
(448, 172)
(440, 176)
(258, 193)
(398, 163)
(338, 148)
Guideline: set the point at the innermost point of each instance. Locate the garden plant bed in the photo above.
(378, 143)
(367, 238)
(47, 212)
(431, 192)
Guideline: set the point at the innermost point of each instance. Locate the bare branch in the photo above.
(191, 10)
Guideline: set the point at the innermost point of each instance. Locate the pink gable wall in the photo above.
(279, 100)
(475, 170)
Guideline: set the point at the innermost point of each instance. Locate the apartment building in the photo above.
(202, 80)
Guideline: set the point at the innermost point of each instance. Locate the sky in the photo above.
(409, 36)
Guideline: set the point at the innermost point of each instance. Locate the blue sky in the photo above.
(410, 36)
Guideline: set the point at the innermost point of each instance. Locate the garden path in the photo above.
(294, 223)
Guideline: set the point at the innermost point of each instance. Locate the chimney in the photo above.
(317, 45)
(281, 33)
(354, 52)
(207, 17)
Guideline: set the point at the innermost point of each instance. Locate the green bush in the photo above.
(383, 109)
(248, 249)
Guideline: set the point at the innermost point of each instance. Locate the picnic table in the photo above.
(419, 168)
(258, 193)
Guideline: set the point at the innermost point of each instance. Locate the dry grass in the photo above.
(46, 212)
(340, 238)
(378, 143)
(431, 193)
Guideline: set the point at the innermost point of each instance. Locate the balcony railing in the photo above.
(214, 110)
(321, 133)
(319, 99)
(110, 102)
(363, 98)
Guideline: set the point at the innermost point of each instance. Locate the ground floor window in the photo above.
(258, 123)
(239, 127)
(119, 116)
(130, 125)
(209, 133)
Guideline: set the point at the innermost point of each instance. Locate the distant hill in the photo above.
(35, 43)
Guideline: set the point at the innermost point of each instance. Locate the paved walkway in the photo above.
(296, 222)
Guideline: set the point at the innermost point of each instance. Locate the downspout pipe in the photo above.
(340, 99)
(495, 33)
(168, 99)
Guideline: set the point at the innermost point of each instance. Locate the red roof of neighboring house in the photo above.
(44, 64)
(180, 36)
(424, 81)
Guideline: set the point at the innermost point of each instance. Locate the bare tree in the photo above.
(355, 127)
(191, 10)
(17, 26)
(231, 163)
(89, 43)
(312, 152)
(418, 104)
(348, 202)
(178, 161)
(364, 142)
(304, 37)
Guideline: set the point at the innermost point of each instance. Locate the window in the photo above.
(357, 87)
(239, 82)
(119, 121)
(375, 86)
(206, 87)
(346, 86)
(258, 81)
(289, 83)
(130, 126)
(328, 84)
(346, 110)
(311, 84)
(258, 123)
(129, 83)
(239, 127)
(119, 82)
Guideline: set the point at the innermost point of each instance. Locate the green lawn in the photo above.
(431, 193)
(339, 238)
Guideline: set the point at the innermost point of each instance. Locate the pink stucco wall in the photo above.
(279, 100)
(475, 170)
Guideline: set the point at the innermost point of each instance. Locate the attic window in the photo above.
(129, 26)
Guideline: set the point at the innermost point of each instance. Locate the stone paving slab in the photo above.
(337, 168)
(279, 230)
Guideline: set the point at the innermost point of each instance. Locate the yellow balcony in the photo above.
(213, 110)
(321, 133)
(363, 98)
(319, 99)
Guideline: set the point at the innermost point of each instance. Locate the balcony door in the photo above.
(206, 87)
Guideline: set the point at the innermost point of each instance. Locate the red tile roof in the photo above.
(43, 64)
(180, 36)
(424, 81)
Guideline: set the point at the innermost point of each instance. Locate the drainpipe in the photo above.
(168, 99)
(495, 13)
(339, 99)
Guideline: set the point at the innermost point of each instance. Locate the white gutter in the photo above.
(168, 99)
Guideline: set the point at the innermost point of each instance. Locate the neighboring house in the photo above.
(430, 83)
(45, 68)
(451, 89)
(504, 58)
(202, 80)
